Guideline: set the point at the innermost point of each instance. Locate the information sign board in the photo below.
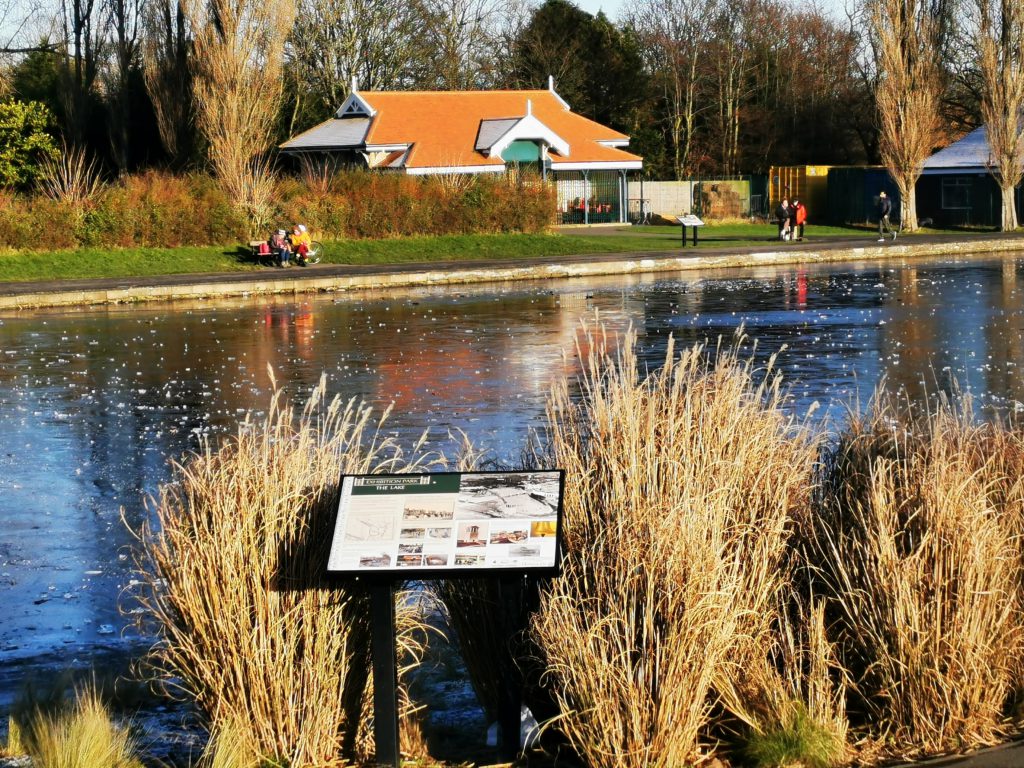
(689, 220)
(436, 525)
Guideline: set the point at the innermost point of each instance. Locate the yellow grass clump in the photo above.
(14, 745)
(915, 545)
(82, 737)
(235, 562)
(681, 490)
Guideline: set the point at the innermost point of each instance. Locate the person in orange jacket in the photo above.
(799, 217)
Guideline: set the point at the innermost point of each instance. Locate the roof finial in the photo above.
(529, 107)
(551, 82)
(355, 83)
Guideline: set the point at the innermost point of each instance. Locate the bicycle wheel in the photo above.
(313, 254)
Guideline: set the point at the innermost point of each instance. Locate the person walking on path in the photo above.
(884, 209)
(782, 213)
(799, 218)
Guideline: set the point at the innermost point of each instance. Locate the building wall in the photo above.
(664, 198)
(853, 196)
(955, 200)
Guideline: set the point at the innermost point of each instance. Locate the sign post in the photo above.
(391, 528)
(385, 671)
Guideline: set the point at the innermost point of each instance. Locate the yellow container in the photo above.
(809, 183)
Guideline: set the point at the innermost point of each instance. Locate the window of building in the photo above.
(956, 193)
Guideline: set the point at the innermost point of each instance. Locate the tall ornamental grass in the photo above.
(234, 564)
(681, 490)
(916, 546)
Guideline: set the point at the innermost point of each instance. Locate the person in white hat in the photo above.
(279, 247)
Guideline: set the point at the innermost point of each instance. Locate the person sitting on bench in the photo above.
(300, 241)
(280, 248)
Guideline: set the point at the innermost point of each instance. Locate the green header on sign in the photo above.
(392, 484)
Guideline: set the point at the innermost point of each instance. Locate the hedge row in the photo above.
(157, 209)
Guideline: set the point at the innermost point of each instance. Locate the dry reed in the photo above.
(916, 546)
(235, 566)
(680, 491)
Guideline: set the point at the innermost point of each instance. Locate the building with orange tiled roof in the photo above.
(445, 132)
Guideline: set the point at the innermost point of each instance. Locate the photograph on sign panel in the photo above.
(472, 535)
(434, 561)
(412, 533)
(379, 560)
(524, 550)
(543, 529)
(440, 534)
(410, 549)
(505, 535)
(410, 561)
(426, 509)
(507, 495)
(470, 560)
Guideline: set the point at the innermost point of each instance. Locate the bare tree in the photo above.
(461, 35)
(674, 36)
(334, 41)
(124, 22)
(22, 20)
(239, 54)
(1001, 49)
(83, 44)
(166, 47)
(909, 94)
(731, 62)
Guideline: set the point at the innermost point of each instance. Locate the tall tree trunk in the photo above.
(1001, 61)
(908, 94)
(1009, 207)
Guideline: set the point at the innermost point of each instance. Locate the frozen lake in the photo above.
(94, 403)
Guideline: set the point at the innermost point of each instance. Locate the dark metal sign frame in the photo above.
(390, 531)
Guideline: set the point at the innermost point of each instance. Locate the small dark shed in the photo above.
(853, 194)
(956, 187)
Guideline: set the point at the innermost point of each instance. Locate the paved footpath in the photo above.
(338, 277)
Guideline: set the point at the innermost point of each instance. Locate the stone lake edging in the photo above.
(340, 278)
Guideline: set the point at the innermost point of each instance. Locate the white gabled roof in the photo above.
(355, 106)
(528, 128)
(969, 155)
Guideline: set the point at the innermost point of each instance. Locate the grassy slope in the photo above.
(137, 262)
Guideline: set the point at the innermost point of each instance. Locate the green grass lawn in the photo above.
(138, 262)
